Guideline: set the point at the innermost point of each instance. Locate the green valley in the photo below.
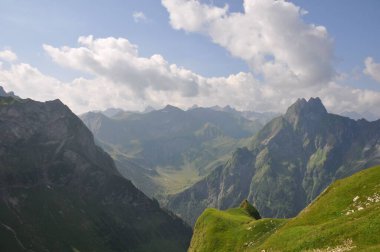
(166, 151)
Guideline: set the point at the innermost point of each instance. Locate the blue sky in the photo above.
(353, 35)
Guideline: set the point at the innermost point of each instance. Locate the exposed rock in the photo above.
(60, 192)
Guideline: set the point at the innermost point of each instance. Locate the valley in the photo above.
(166, 151)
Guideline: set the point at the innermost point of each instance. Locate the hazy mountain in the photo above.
(343, 218)
(262, 117)
(6, 94)
(356, 116)
(149, 109)
(288, 163)
(167, 150)
(60, 192)
(111, 112)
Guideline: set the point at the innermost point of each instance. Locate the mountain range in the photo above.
(165, 151)
(61, 192)
(287, 164)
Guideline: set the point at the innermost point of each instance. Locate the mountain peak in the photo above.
(6, 94)
(312, 108)
(171, 108)
(2, 91)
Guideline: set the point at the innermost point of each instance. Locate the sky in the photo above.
(256, 55)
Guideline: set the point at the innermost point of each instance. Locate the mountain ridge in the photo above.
(287, 164)
(61, 192)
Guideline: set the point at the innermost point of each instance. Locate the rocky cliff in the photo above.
(60, 192)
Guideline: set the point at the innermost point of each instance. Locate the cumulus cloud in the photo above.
(117, 61)
(270, 35)
(241, 90)
(139, 16)
(372, 69)
(8, 55)
(117, 76)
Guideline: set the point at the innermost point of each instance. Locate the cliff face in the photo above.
(289, 162)
(60, 192)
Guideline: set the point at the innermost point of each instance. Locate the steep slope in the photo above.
(169, 149)
(345, 217)
(60, 192)
(289, 162)
(230, 230)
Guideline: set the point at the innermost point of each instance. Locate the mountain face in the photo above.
(288, 163)
(345, 217)
(167, 150)
(60, 192)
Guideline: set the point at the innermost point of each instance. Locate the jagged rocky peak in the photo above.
(312, 109)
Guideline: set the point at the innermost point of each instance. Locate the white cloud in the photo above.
(117, 61)
(372, 69)
(119, 77)
(139, 16)
(8, 55)
(269, 35)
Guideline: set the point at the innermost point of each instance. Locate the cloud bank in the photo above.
(269, 35)
(288, 59)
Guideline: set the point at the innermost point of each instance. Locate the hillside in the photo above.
(60, 192)
(345, 217)
(164, 151)
(287, 164)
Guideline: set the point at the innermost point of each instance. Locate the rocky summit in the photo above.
(60, 192)
(288, 163)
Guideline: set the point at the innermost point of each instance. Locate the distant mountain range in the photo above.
(345, 217)
(164, 151)
(60, 192)
(289, 162)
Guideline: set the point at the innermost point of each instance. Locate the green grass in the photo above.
(329, 222)
(172, 181)
(345, 217)
(230, 230)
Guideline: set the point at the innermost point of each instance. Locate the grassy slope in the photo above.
(332, 222)
(329, 220)
(230, 230)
